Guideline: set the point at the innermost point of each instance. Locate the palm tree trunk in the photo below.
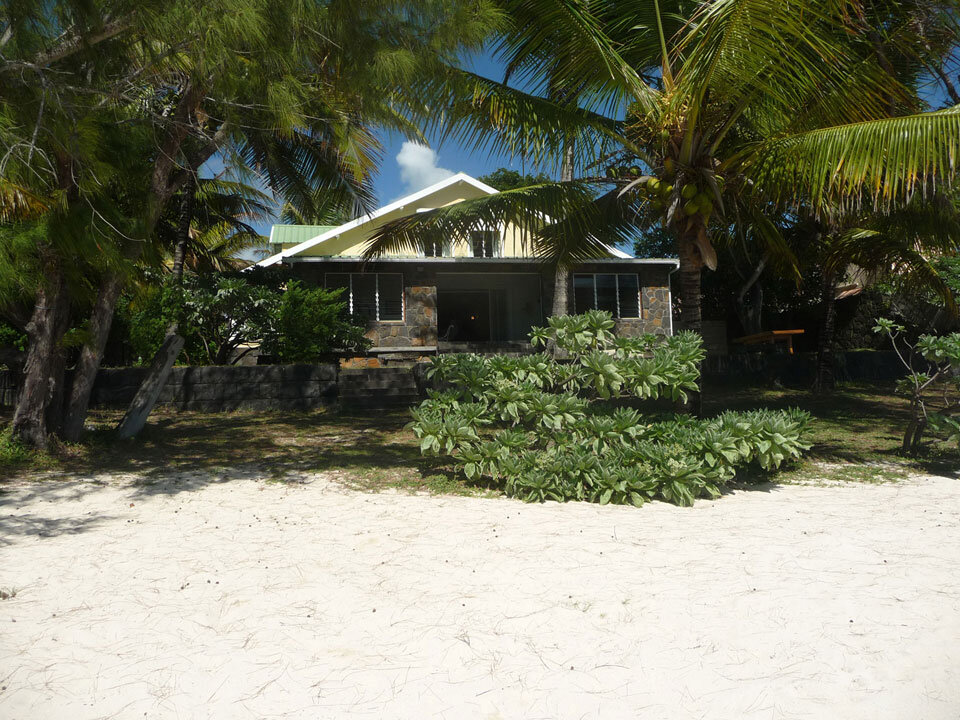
(44, 331)
(142, 404)
(824, 381)
(561, 276)
(101, 319)
(690, 301)
(561, 292)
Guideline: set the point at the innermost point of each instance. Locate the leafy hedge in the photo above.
(548, 426)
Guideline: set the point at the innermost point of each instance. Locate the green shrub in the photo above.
(932, 383)
(544, 427)
(310, 323)
(218, 314)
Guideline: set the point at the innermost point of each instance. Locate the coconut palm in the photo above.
(728, 103)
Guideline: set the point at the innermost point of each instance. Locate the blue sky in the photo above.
(406, 167)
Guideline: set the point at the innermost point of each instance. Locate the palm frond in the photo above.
(555, 222)
(879, 162)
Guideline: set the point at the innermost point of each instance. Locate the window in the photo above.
(374, 296)
(617, 293)
(485, 243)
(436, 248)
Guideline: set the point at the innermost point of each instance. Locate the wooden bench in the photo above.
(770, 337)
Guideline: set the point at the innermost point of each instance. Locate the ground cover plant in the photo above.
(559, 425)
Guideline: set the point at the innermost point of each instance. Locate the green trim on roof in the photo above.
(295, 234)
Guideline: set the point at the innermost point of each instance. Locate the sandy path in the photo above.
(243, 599)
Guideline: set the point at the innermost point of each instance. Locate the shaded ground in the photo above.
(856, 434)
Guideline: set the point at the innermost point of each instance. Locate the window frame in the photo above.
(376, 293)
(496, 243)
(446, 250)
(616, 276)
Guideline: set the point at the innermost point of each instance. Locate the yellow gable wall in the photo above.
(352, 242)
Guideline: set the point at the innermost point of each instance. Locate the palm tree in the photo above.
(779, 105)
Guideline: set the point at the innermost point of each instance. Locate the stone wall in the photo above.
(222, 389)
(419, 325)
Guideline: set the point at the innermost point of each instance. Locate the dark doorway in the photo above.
(463, 315)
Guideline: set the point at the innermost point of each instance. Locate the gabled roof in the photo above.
(325, 233)
(365, 219)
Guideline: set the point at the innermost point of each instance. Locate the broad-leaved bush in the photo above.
(557, 425)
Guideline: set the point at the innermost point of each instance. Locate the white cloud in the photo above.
(418, 167)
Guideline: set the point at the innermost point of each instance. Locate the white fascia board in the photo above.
(494, 261)
(362, 220)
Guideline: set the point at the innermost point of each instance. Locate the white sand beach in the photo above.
(231, 597)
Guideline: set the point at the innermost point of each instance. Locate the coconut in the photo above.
(689, 191)
(690, 208)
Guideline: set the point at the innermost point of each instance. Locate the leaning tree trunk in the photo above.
(824, 380)
(44, 331)
(101, 319)
(142, 404)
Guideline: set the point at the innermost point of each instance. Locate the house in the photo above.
(473, 293)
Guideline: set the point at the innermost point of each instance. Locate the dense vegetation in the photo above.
(560, 425)
(223, 316)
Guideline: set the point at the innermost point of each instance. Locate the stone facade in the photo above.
(419, 327)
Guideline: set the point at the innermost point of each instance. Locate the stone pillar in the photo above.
(421, 315)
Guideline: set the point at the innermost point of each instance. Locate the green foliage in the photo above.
(553, 426)
(219, 313)
(309, 323)
(933, 388)
(506, 179)
(10, 337)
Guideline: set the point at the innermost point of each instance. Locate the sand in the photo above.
(213, 596)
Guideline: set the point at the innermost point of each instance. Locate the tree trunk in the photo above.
(825, 380)
(690, 300)
(561, 292)
(44, 334)
(142, 404)
(183, 226)
(101, 318)
(750, 300)
(58, 370)
(149, 390)
(561, 276)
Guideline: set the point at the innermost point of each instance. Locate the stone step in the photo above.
(348, 393)
(372, 403)
(381, 371)
(379, 384)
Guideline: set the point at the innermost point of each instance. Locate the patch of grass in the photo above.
(17, 458)
(856, 432)
(856, 435)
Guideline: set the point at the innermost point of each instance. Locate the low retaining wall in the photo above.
(222, 389)
(306, 387)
